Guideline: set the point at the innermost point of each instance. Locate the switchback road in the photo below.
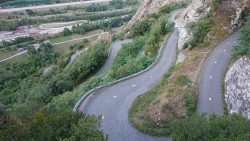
(210, 91)
(115, 47)
(113, 102)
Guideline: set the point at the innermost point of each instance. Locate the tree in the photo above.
(30, 12)
(31, 50)
(215, 128)
(53, 127)
(141, 28)
(92, 133)
(118, 4)
(66, 32)
(244, 47)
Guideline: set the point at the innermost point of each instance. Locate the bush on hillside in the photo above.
(244, 47)
(215, 128)
(199, 30)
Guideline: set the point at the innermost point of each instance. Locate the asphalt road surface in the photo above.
(115, 47)
(113, 102)
(210, 91)
(51, 6)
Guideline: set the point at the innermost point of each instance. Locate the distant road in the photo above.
(77, 39)
(115, 47)
(20, 53)
(210, 91)
(51, 6)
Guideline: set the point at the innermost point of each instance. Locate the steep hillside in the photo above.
(203, 25)
(149, 7)
(199, 9)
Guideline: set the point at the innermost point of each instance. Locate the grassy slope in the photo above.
(62, 48)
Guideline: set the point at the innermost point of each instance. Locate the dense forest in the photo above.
(214, 128)
(63, 126)
(26, 89)
(27, 86)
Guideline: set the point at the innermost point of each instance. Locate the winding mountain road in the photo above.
(210, 91)
(115, 47)
(113, 102)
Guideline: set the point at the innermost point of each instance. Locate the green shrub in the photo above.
(199, 30)
(215, 128)
(57, 126)
(93, 60)
(66, 32)
(117, 37)
(190, 103)
(169, 26)
(130, 60)
(244, 47)
(181, 80)
(216, 4)
(171, 7)
(140, 28)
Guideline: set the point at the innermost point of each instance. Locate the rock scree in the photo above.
(237, 88)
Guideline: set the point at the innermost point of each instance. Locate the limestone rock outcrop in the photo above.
(181, 57)
(195, 11)
(235, 7)
(237, 88)
(198, 9)
(149, 7)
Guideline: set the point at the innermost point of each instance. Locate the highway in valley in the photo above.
(8, 10)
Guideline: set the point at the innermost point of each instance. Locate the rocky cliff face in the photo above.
(195, 11)
(235, 7)
(198, 9)
(149, 7)
(237, 88)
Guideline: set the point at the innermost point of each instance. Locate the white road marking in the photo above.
(225, 50)
(151, 76)
(162, 67)
(114, 96)
(102, 117)
(234, 42)
(215, 62)
(210, 99)
(210, 77)
(133, 85)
